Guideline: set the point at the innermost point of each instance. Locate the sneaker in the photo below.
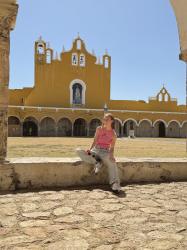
(97, 168)
(116, 187)
(116, 191)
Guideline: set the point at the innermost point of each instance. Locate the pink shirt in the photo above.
(104, 137)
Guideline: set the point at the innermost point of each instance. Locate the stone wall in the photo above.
(8, 13)
(35, 173)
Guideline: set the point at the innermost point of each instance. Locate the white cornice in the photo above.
(99, 110)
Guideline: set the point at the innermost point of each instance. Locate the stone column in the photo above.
(167, 131)
(72, 129)
(88, 130)
(8, 13)
(56, 129)
(21, 129)
(152, 131)
(121, 135)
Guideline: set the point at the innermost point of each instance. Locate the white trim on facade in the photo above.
(130, 119)
(80, 118)
(174, 121)
(101, 110)
(16, 117)
(44, 117)
(64, 117)
(120, 121)
(160, 120)
(183, 123)
(31, 116)
(96, 118)
(150, 122)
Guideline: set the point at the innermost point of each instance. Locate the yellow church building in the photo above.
(71, 92)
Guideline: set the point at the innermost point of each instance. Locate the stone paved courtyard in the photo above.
(146, 216)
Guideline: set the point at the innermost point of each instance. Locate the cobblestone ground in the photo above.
(149, 216)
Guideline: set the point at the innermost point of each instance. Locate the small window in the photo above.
(74, 59)
(48, 56)
(82, 60)
(160, 97)
(40, 48)
(106, 63)
(78, 44)
(166, 98)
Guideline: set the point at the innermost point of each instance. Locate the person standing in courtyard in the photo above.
(102, 149)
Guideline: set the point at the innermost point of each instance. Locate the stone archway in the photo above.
(184, 130)
(47, 127)
(30, 127)
(161, 130)
(145, 128)
(173, 129)
(129, 125)
(14, 126)
(94, 123)
(64, 127)
(79, 127)
(180, 10)
(118, 127)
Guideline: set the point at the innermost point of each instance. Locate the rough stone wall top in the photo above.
(180, 9)
(8, 8)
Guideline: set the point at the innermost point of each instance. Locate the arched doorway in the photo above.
(64, 127)
(145, 128)
(173, 129)
(184, 130)
(47, 127)
(93, 125)
(129, 125)
(14, 126)
(30, 127)
(79, 127)
(161, 129)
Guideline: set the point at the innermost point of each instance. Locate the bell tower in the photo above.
(40, 51)
(42, 55)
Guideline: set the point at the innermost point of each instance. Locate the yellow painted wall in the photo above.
(52, 80)
(18, 96)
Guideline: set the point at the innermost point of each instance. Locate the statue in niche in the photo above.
(77, 94)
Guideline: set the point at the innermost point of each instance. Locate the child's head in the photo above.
(108, 120)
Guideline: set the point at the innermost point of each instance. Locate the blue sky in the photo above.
(140, 35)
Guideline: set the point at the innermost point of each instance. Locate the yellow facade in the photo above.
(72, 91)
